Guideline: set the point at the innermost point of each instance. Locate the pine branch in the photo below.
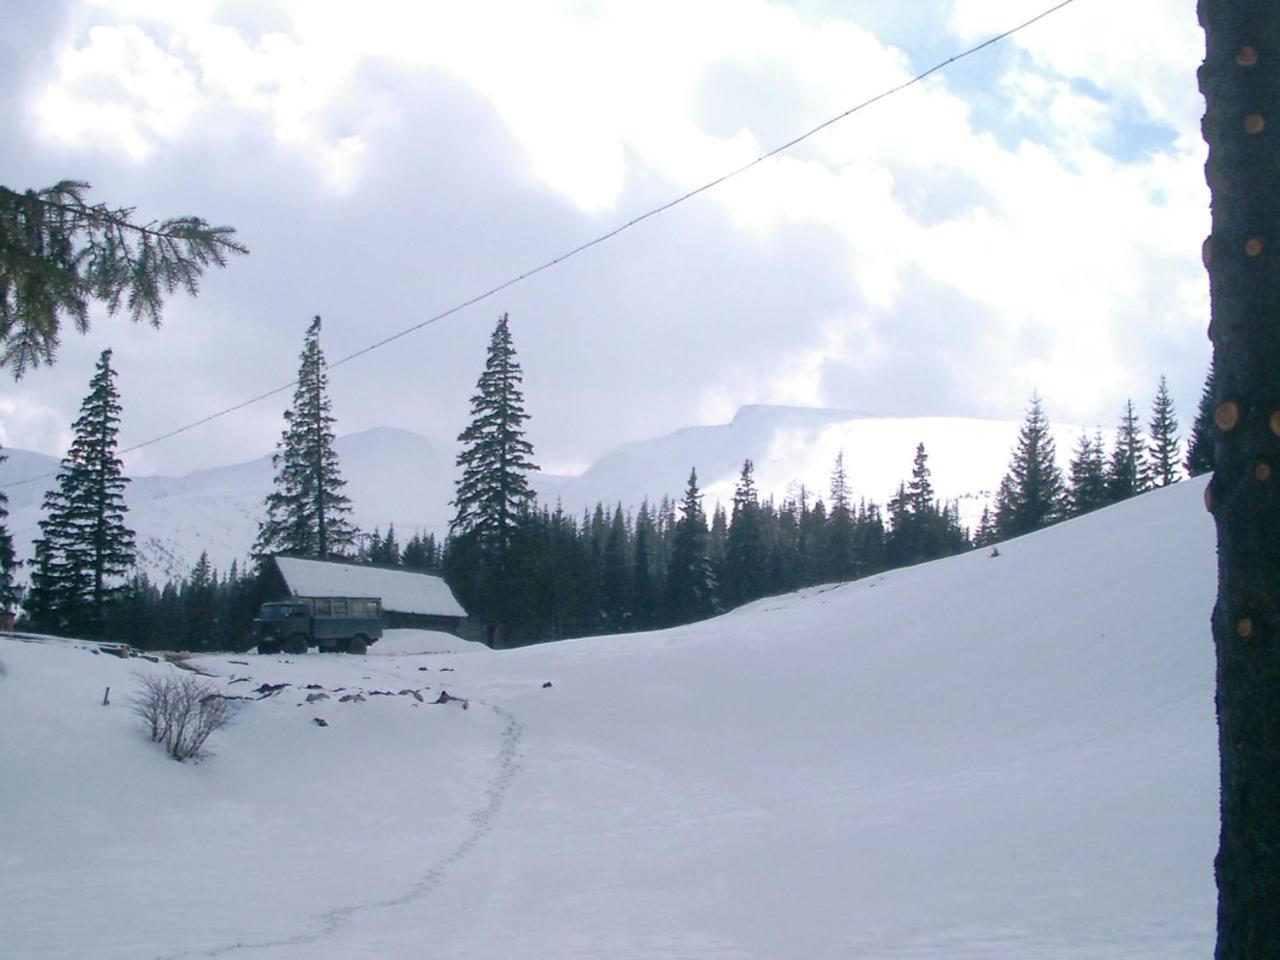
(58, 252)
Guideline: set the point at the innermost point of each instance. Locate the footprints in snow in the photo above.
(507, 766)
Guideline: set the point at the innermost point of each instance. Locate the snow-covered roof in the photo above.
(402, 591)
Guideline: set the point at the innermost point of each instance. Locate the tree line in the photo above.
(539, 573)
(532, 570)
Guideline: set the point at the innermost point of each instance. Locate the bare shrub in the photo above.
(180, 712)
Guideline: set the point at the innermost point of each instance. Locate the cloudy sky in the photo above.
(1027, 219)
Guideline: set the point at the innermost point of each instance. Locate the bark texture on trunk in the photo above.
(1240, 81)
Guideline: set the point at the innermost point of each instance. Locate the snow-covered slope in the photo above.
(981, 757)
(394, 476)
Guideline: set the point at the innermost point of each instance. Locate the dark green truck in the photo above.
(332, 624)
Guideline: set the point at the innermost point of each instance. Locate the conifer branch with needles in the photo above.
(59, 253)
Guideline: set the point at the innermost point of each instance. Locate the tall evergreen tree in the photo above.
(1200, 445)
(493, 492)
(840, 485)
(920, 489)
(745, 555)
(1031, 494)
(199, 602)
(10, 594)
(614, 575)
(1088, 473)
(869, 539)
(85, 547)
(1164, 449)
(385, 550)
(691, 582)
(421, 553)
(986, 533)
(307, 513)
(1128, 473)
(838, 553)
(643, 591)
(900, 547)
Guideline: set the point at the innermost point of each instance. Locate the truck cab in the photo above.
(331, 624)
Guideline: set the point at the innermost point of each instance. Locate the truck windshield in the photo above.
(279, 611)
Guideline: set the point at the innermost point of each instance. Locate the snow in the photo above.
(401, 643)
(980, 757)
(402, 591)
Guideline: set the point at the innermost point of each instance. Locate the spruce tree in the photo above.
(493, 493)
(384, 550)
(307, 513)
(745, 555)
(1088, 473)
(899, 544)
(9, 591)
(1165, 450)
(1128, 473)
(643, 588)
(691, 582)
(421, 553)
(199, 596)
(1031, 494)
(840, 485)
(496, 458)
(1200, 445)
(84, 548)
(391, 548)
(920, 530)
(371, 546)
(986, 533)
(869, 539)
(837, 546)
(920, 489)
(614, 607)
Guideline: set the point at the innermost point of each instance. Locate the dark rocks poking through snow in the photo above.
(320, 721)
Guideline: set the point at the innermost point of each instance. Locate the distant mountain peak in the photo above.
(755, 412)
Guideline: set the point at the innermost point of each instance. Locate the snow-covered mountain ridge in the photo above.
(979, 758)
(396, 476)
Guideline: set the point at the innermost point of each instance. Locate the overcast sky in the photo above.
(1028, 219)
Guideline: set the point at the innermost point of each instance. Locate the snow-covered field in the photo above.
(981, 757)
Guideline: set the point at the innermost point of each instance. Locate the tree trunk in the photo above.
(1240, 80)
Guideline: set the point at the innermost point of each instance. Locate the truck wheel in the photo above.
(267, 648)
(359, 644)
(296, 644)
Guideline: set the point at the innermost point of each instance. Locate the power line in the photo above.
(604, 237)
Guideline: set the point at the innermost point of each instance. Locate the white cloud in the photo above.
(1067, 244)
(1142, 52)
(119, 89)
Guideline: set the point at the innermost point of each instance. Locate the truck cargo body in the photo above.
(332, 624)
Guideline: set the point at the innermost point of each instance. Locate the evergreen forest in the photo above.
(533, 570)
